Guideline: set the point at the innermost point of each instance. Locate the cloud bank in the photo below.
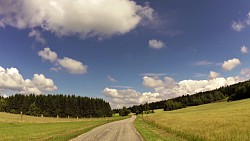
(167, 87)
(11, 79)
(71, 65)
(84, 18)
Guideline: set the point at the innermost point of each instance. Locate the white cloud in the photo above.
(85, 18)
(238, 26)
(230, 64)
(244, 49)
(151, 82)
(42, 83)
(146, 12)
(128, 97)
(213, 75)
(110, 78)
(157, 44)
(47, 54)
(38, 37)
(73, 66)
(11, 79)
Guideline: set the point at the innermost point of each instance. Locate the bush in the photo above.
(124, 111)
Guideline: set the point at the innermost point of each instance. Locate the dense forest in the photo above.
(233, 92)
(55, 105)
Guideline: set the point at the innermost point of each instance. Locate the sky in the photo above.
(126, 52)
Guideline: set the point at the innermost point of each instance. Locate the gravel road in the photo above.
(122, 130)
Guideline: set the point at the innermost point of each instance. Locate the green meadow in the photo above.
(44, 128)
(222, 121)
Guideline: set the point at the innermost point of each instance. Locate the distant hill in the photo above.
(220, 121)
(233, 92)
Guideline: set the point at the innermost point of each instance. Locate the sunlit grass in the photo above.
(227, 121)
(44, 128)
(151, 132)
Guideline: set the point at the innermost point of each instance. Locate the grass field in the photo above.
(43, 128)
(222, 121)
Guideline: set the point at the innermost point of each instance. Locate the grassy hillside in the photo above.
(225, 121)
(43, 128)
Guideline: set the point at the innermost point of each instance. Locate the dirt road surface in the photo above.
(122, 130)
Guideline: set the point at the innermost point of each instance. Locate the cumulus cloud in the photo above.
(244, 49)
(85, 18)
(151, 82)
(154, 82)
(110, 78)
(230, 64)
(128, 97)
(213, 75)
(156, 44)
(47, 54)
(38, 37)
(71, 65)
(11, 79)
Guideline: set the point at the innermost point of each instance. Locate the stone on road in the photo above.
(122, 130)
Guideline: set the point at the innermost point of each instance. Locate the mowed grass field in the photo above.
(222, 121)
(44, 128)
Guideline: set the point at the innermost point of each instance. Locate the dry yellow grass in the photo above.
(16, 118)
(223, 121)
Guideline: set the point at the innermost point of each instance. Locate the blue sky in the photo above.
(124, 51)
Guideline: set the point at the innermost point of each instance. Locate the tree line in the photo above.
(233, 92)
(55, 105)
